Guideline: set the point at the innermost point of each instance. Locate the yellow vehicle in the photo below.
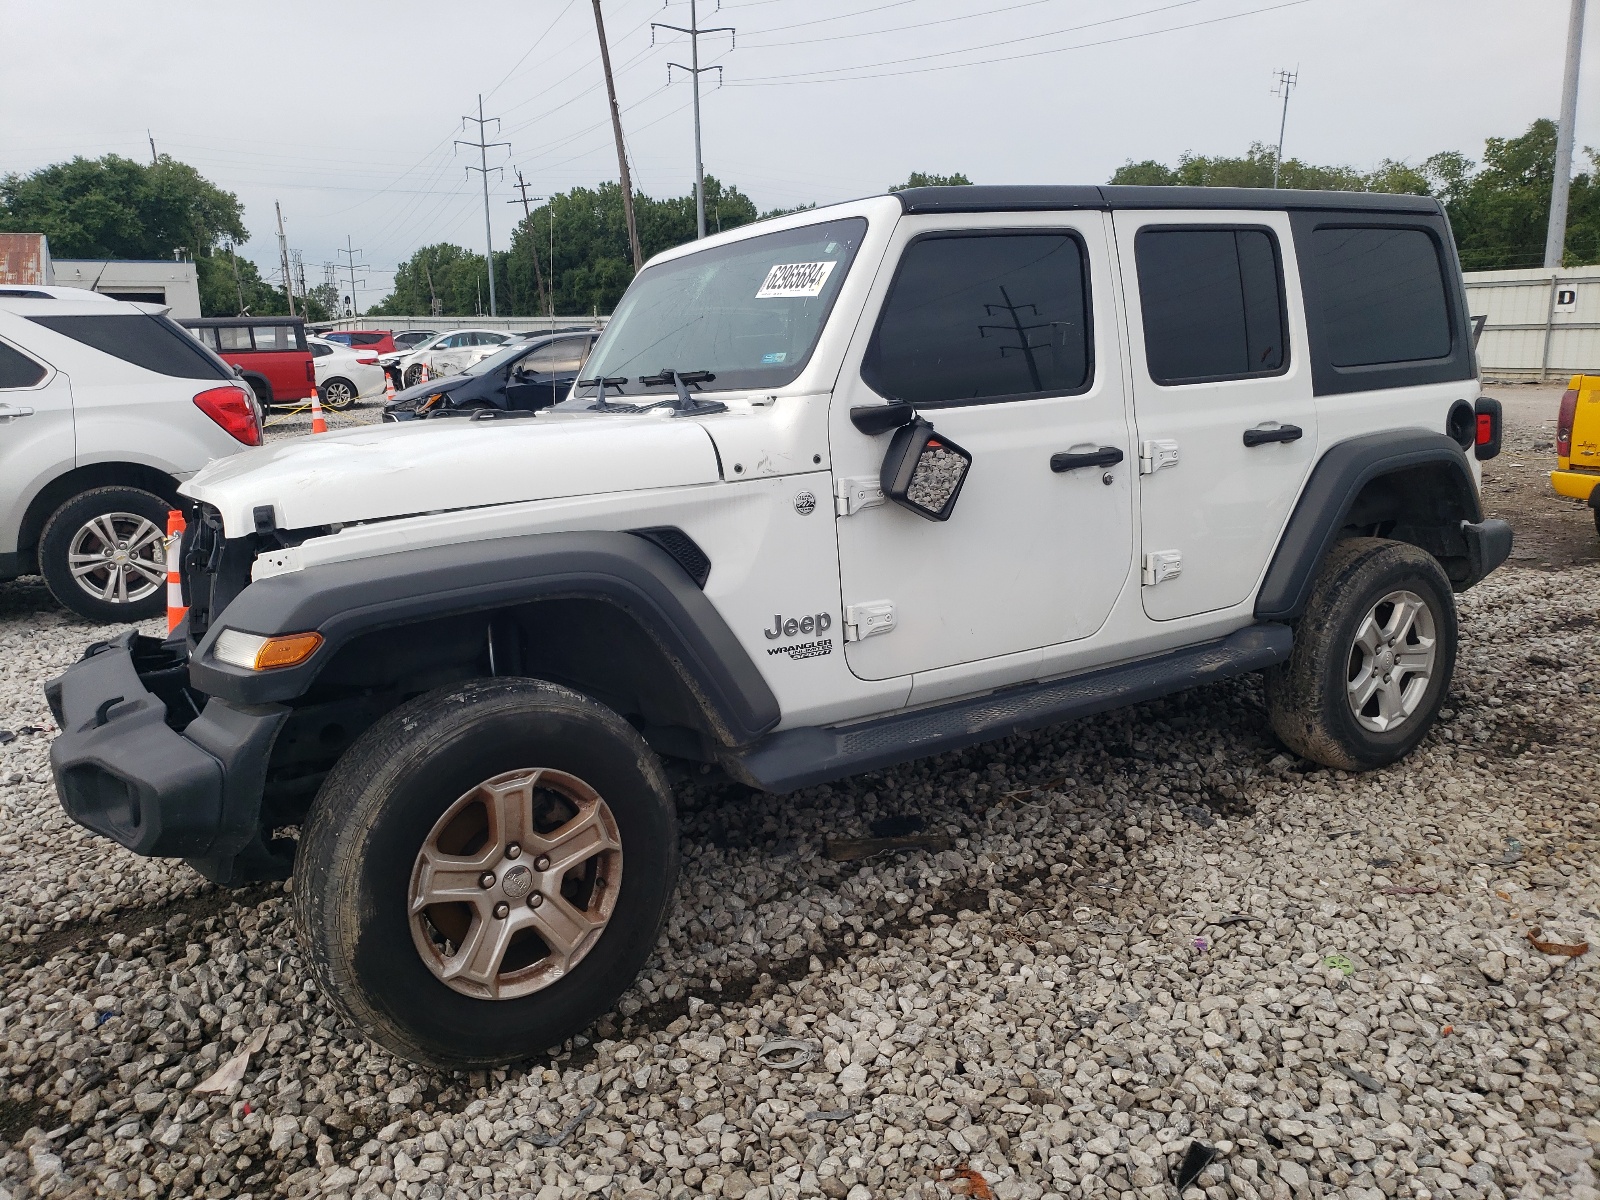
(1578, 443)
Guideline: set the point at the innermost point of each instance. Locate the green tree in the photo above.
(1254, 170)
(922, 179)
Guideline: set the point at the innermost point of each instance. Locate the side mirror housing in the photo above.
(924, 471)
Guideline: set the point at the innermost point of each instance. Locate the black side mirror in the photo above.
(923, 471)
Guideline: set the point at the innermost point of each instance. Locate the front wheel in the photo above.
(1372, 659)
(103, 554)
(485, 871)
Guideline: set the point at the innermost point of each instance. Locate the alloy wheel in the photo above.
(336, 393)
(515, 883)
(118, 557)
(1391, 661)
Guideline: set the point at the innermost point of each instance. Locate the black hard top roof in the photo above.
(1052, 197)
(210, 322)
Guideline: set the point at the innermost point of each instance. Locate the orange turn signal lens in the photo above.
(256, 653)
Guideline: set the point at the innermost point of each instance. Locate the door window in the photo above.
(558, 358)
(1382, 293)
(972, 318)
(1212, 302)
(17, 370)
(234, 337)
(321, 351)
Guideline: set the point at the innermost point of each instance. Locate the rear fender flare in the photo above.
(1325, 504)
(345, 599)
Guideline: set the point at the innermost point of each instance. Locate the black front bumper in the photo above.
(143, 769)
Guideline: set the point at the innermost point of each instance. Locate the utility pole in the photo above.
(533, 246)
(1555, 240)
(622, 150)
(237, 282)
(1286, 82)
(152, 138)
(350, 258)
(283, 254)
(695, 71)
(483, 169)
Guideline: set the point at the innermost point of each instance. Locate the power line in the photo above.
(483, 169)
(1286, 82)
(695, 70)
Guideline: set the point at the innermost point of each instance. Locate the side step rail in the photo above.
(797, 758)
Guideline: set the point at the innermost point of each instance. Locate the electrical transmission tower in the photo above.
(350, 260)
(1285, 85)
(483, 169)
(695, 70)
(527, 214)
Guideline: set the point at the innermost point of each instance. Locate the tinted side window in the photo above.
(234, 337)
(1212, 303)
(982, 316)
(17, 370)
(145, 341)
(1382, 295)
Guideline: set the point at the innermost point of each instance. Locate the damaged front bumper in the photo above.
(146, 761)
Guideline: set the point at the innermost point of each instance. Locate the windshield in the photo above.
(749, 313)
(499, 359)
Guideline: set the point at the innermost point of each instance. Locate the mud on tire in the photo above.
(1372, 659)
(448, 825)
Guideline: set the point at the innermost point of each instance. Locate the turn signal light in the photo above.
(233, 410)
(256, 653)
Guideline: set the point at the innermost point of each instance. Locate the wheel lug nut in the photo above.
(535, 900)
(486, 880)
(513, 851)
(541, 863)
(502, 911)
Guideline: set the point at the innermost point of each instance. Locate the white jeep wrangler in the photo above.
(840, 489)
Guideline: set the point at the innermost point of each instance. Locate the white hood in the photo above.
(430, 466)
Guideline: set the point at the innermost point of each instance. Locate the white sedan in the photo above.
(449, 353)
(345, 375)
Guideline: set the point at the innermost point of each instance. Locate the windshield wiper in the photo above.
(684, 402)
(600, 383)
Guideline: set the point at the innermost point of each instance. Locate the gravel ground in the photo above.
(1155, 937)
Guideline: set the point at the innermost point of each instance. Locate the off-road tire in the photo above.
(55, 544)
(1307, 699)
(377, 807)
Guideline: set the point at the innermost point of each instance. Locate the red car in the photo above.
(379, 341)
(270, 352)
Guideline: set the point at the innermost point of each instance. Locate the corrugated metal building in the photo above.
(24, 258)
(1538, 324)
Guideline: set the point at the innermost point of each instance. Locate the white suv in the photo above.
(839, 490)
(105, 408)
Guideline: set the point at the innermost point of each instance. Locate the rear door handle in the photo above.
(8, 411)
(1106, 456)
(1283, 433)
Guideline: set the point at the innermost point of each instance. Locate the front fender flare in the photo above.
(345, 599)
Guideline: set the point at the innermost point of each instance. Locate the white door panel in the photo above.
(1030, 557)
(1208, 498)
(37, 444)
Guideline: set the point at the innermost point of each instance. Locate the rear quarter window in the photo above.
(17, 370)
(154, 343)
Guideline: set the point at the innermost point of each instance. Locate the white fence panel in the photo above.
(1538, 324)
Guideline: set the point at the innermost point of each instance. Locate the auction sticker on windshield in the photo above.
(795, 279)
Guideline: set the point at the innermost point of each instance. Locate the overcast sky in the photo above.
(346, 111)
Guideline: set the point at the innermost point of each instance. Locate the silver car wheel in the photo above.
(118, 557)
(1391, 661)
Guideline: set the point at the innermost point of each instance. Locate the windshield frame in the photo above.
(856, 240)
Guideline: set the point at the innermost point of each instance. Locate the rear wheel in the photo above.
(1372, 659)
(485, 871)
(103, 554)
(413, 375)
(339, 393)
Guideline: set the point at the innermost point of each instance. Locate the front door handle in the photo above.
(1106, 456)
(1283, 433)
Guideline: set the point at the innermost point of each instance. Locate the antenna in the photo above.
(1285, 85)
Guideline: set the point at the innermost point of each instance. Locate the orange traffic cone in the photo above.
(423, 378)
(175, 606)
(318, 425)
(388, 388)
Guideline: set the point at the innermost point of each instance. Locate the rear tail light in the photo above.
(1564, 419)
(231, 408)
(1487, 431)
(367, 360)
(311, 371)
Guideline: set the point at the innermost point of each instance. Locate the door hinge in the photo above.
(852, 495)
(1157, 453)
(867, 620)
(1162, 565)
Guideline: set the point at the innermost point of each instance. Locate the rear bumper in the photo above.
(1488, 545)
(1580, 485)
(123, 770)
